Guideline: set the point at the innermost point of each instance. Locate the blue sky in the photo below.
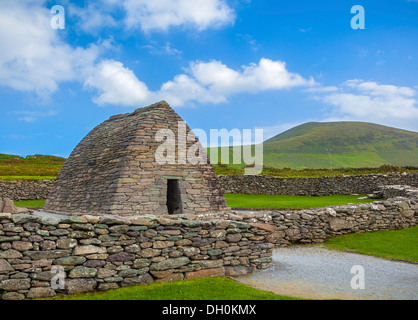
(219, 63)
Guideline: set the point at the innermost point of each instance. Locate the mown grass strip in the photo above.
(30, 203)
(256, 201)
(390, 244)
(197, 289)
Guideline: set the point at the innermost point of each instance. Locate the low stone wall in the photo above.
(30, 190)
(101, 253)
(320, 224)
(359, 184)
(108, 252)
(25, 190)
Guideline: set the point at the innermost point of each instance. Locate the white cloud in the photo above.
(38, 60)
(321, 89)
(205, 82)
(93, 16)
(183, 89)
(155, 15)
(266, 75)
(374, 102)
(117, 85)
(157, 49)
(33, 57)
(160, 15)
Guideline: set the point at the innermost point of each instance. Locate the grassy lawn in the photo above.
(255, 201)
(259, 201)
(30, 203)
(391, 244)
(198, 289)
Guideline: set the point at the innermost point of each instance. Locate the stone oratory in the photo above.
(114, 170)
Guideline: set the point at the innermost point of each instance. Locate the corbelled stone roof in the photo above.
(113, 170)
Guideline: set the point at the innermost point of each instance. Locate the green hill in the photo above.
(341, 145)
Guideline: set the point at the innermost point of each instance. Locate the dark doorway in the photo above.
(173, 197)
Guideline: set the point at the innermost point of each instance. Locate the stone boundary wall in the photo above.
(108, 252)
(318, 225)
(25, 190)
(359, 184)
(363, 184)
(102, 253)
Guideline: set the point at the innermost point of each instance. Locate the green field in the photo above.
(36, 167)
(256, 201)
(303, 160)
(391, 244)
(198, 289)
(26, 178)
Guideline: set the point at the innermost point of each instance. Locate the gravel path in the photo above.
(317, 273)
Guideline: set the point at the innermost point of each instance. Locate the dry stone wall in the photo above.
(362, 184)
(359, 184)
(25, 190)
(108, 252)
(320, 224)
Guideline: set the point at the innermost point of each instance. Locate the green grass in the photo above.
(254, 201)
(391, 244)
(36, 167)
(26, 178)
(30, 203)
(304, 160)
(198, 289)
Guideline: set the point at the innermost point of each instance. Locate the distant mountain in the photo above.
(325, 145)
(341, 144)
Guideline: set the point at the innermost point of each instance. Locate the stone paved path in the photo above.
(318, 273)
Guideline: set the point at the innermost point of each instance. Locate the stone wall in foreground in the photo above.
(101, 253)
(108, 252)
(360, 184)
